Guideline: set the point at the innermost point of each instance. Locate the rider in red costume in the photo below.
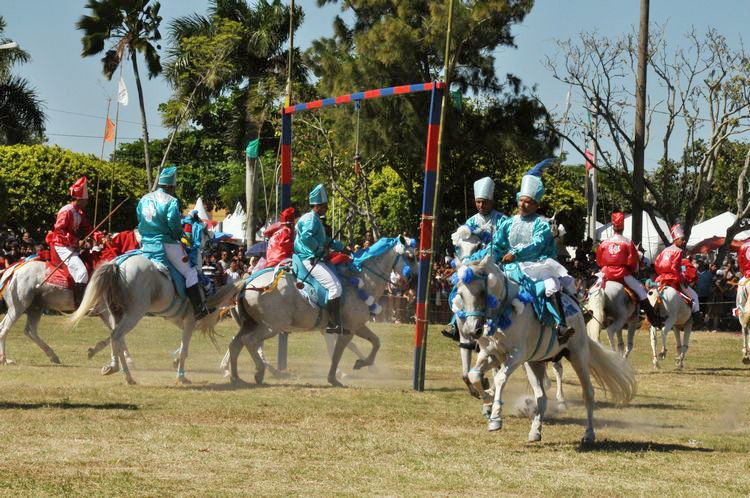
(64, 237)
(619, 259)
(676, 271)
(281, 239)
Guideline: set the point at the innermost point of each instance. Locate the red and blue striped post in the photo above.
(285, 182)
(425, 236)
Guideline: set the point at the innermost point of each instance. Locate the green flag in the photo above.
(252, 149)
(457, 100)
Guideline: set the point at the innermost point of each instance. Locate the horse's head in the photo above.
(480, 287)
(465, 243)
(406, 260)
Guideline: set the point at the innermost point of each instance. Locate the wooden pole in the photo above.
(429, 223)
(101, 158)
(640, 126)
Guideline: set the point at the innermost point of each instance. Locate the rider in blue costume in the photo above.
(311, 245)
(484, 224)
(160, 226)
(526, 248)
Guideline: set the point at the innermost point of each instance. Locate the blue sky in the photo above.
(75, 92)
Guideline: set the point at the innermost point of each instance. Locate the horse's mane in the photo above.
(379, 248)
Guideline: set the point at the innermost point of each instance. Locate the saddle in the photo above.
(60, 276)
(688, 300)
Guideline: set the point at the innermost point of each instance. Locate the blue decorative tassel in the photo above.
(491, 301)
(504, 321)
(461, 314)
(468, 276)
(362, 294)
(525, 297)
(454, 277)
(353, 281)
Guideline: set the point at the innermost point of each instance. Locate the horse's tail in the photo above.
(596, 307)
(105, 288)
(225, 294)
(612, 372)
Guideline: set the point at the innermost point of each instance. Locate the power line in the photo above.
(100, 117)
(100, 137)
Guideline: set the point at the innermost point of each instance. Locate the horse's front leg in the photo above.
(746, 343)
(33, 316)
(341, 341)
(655, 356)
(477, 381)
(632, 327)
(683, 349)
(512, 362)
(465, 354)
(581, 364)
(187, 334)
(535, 372)
(368, 335)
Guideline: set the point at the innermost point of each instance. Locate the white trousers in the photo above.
(636, 286)
(325, 277)
(694, 296)
(76, 268)
(178, 257)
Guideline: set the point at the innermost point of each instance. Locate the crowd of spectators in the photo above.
(227, 262)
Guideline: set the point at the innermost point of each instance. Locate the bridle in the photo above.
(493, 309)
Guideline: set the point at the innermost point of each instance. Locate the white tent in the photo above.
(202, 213)
(714, 228)
(235, 223)
(650, 239)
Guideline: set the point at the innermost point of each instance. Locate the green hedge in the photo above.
(34, 182)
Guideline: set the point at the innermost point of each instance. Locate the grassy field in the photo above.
(67, 430)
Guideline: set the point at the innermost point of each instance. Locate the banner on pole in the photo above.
(589, 160)
(252, 149)
(122, 92)
(109, 131)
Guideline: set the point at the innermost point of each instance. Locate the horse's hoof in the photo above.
(236, 381)
(109, 369)
(588, 438)
(54, 359)
(662, 355)
(259, 378)
(91, 352)
(494, 424)
(130, 381)
(335, 383)
(358, 364)
(183, 381)
(535, 436)
(746, 360)
(562, 406)
(487, 411)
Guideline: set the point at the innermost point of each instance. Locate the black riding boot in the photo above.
(199, 304)
(78, 291)
(451, 331)
(651, 314)
(564, 331)
(334, 317)
(697, 319)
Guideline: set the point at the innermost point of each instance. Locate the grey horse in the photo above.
(123, 294)
(677, 316)
(612, 308)
(281, 307)
(526, 340)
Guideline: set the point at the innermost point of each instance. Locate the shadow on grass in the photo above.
(240, 386)
(64, 405)
(721, 371)
(639, 447)
(617, 424)
(650, 406)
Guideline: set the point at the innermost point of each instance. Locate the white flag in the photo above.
(122, 92)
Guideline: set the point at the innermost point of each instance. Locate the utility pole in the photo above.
(640, 126)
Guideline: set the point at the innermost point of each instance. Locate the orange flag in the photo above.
(109, 131)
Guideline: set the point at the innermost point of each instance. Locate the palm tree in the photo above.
(132, 26)
(21, 112)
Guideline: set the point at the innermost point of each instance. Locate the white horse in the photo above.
(123, 294)
(677, 316)
(23, 294)
(527, 340)
(275, 304)
(743, 315)
(614, 309)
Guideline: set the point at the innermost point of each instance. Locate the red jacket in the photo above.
(668, 265)
(280, 244)
(70, 220)
(743, 258)
(617, 257)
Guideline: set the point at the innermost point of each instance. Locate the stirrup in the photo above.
(564, 335)
(332, 328)
(451, 333)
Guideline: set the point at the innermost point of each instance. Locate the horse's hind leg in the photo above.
(31, 330)
(580, 362)
(126, 324)
(11, 316)
(632, 327)
(655, 358)
(746, 344)
(535, 372)
(187, 333)
(234, 350)
(558, 369)
(686, 331)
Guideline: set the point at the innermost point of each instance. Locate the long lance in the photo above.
(86, 237)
